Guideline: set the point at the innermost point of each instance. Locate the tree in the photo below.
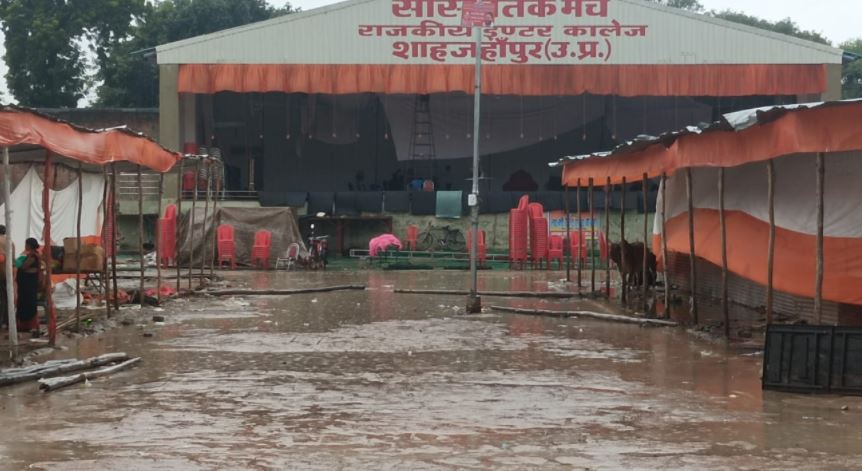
(693, 5)
(852, 78)
(130, 76)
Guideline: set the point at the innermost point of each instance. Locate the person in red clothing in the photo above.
(28, 287)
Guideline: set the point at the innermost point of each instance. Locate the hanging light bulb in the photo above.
(386, 136)
(334, 135)
(447, 136)
(522, 135)
(358, 135)
(287, 136)
(555, 137)
(584, 137)
(469, 135)
(261, 137)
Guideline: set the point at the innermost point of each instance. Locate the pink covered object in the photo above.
(382, 243)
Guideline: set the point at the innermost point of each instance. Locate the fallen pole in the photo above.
(587, 314)
(284, 292)
(54, 368)
(54, 384)
(498, 294)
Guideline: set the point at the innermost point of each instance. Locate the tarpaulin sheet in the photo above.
(281, 222)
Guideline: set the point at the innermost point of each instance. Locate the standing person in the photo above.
(28, 287)
(4, 315)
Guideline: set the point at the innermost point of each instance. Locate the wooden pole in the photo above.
(691, 253)
(78, 247)
(608, 237)
(191, 230)
(568, 236)
(114, 236)
(179, 215)
(725, 307)
(48, 183)
(141, 232)
(645, 273)
(218, 182)
(159, 239)
(818, 289)
(10, 256)
(625, 289)
(580, 238)
(204, 232)
(666, 262)
(592, 240)
(770, 294)
(106, 283)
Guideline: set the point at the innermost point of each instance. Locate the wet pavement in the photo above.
(376, 380)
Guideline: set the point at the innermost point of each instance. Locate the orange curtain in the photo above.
(824, 129)
(534, 80)
(91, 147)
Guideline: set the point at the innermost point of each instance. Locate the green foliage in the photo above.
(852, 78)
(785, 26)
(693, 5)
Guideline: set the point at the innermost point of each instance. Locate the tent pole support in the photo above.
(191, 230)
(691, 247)
(159, 239)
(608, 238)
(78, 245)
(204, 232)
(770, 268)
(177, 225)
(665, 261)
(115, 231)
(47, 183)
(645, 288)
(818, 289)
(580, 256)
(106, 283)
(568, 235)
(624, 282)
(141, 232)
(9, 284)
(725, 306)
(592, 238)
(216, 188)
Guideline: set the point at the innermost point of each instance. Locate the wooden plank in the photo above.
(23, 375)
(106, 213)
(589, 315)
(9, 284)
(47, 184)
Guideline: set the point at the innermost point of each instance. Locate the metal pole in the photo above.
(141, 232)
(625, 290)
(770, 268)
(474, 303)
(191, 231)
(177, 224)
(608, 238)
(580, 237)
(114, 233)
(204, 231)
(106, 283)
(645, 288)
(568, 236)
(10, 255)
(725, 308)
(78, 247)
(692, 257)
(47, 183)
(159, 239)
(818, 289)
(592, 239)
(666, 262)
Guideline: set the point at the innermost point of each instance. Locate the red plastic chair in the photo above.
(483, 249)
(412, 237)
(603, 247)
(261, 249)
(519, 230)
(168, 237)
(226, 246)
(189, 181)
(555, 251)
(524, 202)
(578, 245)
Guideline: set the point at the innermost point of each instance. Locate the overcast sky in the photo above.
(838, 20)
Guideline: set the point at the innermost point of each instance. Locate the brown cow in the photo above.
(629, 260)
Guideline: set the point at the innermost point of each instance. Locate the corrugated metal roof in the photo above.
(736, 121)
(328, 35)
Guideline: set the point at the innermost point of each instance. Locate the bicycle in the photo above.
(444, 239)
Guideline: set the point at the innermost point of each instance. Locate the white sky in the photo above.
(838, 20)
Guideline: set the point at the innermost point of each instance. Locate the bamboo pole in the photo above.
(141, 232)
(666, 262)
(725, 307)
(47, 184)
(159, 239)
(692, 257)
(191, 230)
(625, 290)
(592, 239)
(608, 237)
(177, 224)
(818, 288)
(218, 183)
(770, 294)
(568, 236)
(580, 238)
(645, 288)
(10, 255)
(106, 283)
(204, 232)
(78, 247)
(115, 232)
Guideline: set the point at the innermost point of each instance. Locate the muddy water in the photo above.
(374, 380)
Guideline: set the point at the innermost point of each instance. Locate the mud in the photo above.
(375, 380)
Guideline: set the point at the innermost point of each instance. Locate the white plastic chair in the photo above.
(288, 259)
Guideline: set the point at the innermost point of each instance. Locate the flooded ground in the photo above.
(375, 380)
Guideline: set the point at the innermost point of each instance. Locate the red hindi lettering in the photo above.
(588, 50)
(585, 8)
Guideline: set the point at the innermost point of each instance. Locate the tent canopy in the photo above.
(23, 128)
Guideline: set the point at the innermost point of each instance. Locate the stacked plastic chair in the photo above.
(412, 237)
(226, 246)
(483, 249)
(556, 251)
(578, 245)
(539, 243)
(261, 249)
(168, 237)
(519, 232)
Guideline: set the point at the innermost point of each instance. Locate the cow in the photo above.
(629, 260)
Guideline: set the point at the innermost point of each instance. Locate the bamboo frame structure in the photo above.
(580, 231)
(218, 184)
(177, 228)
(818, 287)
(625, 288)
(80, 175)
(692, 257)
(12, 319)
(114, 236)
(159, 239)
(568, 235)
(770, 269)
(591, 197)
(645, 289)
(725, 307)
(204, 231)
(191, 231)
(47, 184)
(608, 237)
(106, 284)
(141, 233)
(665, 260)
